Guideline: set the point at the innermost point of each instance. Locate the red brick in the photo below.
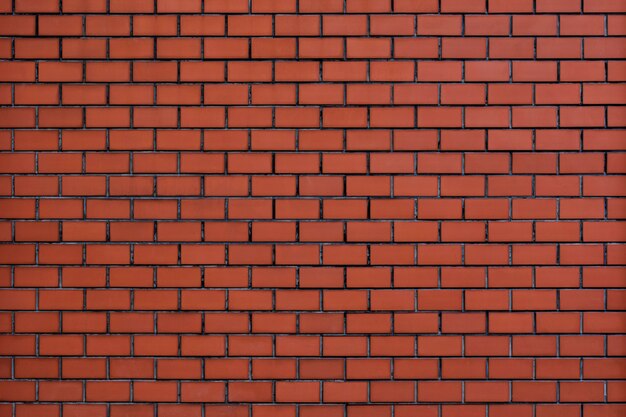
(264, 183)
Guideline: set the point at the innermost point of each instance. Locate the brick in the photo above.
(144, 25)
(320, 48)
(464, 48)
(297, 25)
(368, 48)
(486, 25)
(439, 25)
(239, 25)
(392, 25)
(416, 48)
(273, 48)
(511, 48)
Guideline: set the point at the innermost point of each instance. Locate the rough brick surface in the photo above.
(312, 208)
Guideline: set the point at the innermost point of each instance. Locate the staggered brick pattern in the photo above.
(312, 208)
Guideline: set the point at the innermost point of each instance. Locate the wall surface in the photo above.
(312, 208)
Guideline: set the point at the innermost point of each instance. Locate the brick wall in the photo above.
(312, 208)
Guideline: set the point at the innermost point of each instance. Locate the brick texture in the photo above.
(312, 208)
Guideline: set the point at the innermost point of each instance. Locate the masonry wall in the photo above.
(312, 208)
